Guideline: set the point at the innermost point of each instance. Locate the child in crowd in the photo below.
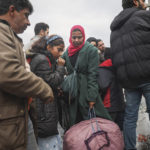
(45, 62)
(111, 90)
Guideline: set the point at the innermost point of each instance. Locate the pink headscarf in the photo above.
(73, 49)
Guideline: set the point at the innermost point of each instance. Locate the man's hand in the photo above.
(91, 104)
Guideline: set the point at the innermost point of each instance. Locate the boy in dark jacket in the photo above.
(112, 92)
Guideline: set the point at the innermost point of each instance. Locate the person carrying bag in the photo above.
(81, 62)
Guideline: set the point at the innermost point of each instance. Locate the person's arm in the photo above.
(14, 78)
(92, 76)
(43, 70)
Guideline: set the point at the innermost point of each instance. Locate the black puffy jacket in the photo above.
(130, 47)
(44, 65)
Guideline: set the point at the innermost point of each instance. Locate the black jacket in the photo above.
(130, 47)
(44, 65)
(111, 90)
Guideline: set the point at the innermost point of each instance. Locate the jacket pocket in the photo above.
(12, 133)
(11, 111)
(12, 126)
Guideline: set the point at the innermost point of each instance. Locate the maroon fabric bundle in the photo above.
(94, 134)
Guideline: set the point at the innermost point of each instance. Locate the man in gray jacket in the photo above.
(17, 85)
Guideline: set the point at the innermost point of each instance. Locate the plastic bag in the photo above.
(143, 129)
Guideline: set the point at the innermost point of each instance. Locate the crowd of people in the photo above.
(45, 87)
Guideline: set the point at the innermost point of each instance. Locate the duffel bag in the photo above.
(94, 134)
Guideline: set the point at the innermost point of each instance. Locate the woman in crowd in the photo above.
(45, 62)
(83, 57)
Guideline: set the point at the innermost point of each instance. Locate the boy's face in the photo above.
(44, 33)
(101, 46)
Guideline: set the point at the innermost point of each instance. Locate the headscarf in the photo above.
(74, 49)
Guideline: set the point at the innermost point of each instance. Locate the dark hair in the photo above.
(128, 4)
(92, 39)
(57, 41)
(107, 53)
(76, 30)
(41, 44)
(98, 40)
(18, 4)
(40, 26)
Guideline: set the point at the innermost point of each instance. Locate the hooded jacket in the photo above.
(130, 47)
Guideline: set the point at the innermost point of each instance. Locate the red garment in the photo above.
(72, 49)
(49, 62)
(29, 102)
(106, 101)
(106, 63)
(28, 60)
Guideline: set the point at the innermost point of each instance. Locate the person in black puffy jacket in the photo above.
(111, 91)
(130, 53)
(45, 62)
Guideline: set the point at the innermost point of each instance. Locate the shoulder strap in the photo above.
(76, 65)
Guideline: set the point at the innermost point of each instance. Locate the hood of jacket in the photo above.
(122, 18)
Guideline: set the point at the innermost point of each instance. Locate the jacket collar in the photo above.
(6, 23)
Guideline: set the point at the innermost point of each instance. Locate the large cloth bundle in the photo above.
(94, 134)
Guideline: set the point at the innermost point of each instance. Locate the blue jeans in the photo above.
(50, 143)
(31, 143)
(133, 100)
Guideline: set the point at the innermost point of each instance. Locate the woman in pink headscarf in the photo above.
(87, 59)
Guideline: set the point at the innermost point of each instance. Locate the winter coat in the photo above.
(130, 47)
(113, 98)
(44, 65)
(16, 84)
(88, 60)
